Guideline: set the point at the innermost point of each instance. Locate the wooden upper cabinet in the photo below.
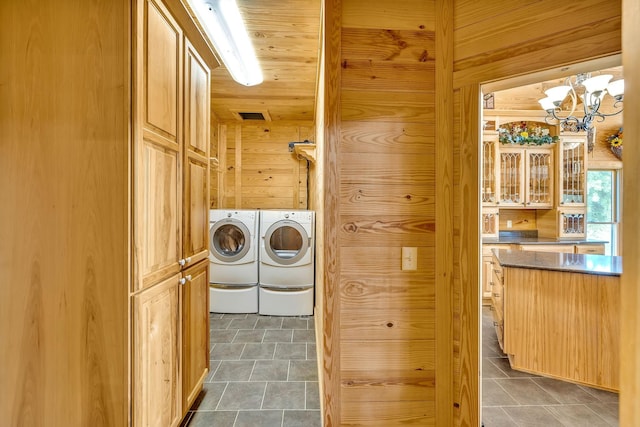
(162, 72)
(572, 170)
(157, 161)
(490, 169)
(526, 177)
(197, 106)
(196, 158)
(539, 178)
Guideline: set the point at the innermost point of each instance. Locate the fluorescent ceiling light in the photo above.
(223, 24)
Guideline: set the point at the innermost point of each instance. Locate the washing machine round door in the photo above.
(230, 240)
(286, 242)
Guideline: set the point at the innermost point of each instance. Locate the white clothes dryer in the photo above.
(233, 261)
(286, 263)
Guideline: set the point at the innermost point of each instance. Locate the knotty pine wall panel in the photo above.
(214, 163)
(257, 171)
(534, 35)
(386, 201)
(377, 106)
(629, 295)
(388, 14)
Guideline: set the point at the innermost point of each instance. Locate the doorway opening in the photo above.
(510, 396)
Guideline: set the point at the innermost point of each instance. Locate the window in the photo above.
(603, 208)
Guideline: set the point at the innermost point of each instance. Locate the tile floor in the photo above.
(512, 398)
(263, 372)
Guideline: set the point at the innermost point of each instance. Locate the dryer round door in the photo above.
(286, 242)
(230, 240)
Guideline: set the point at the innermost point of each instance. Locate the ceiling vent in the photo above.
(253, 115)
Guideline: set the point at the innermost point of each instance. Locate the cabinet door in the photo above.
(490, 170)
(487, 276)
(156, 399)
(196, 158)
(157, 157)
(489, 222)
(195, 331)
(539, 178)
(572, 169)
(512, 166)
(497, 304)
(572, 223)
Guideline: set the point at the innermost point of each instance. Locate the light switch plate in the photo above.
(409, 258)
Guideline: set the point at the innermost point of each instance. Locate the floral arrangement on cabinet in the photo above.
(525, 134)
(615, 141)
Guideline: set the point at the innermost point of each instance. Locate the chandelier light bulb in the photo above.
(597, 83)
(616, 88)
(557, 94)
(547, 104)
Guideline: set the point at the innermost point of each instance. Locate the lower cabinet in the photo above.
(195, 332)
(487, 270)
(170, 347)
(157, 392)
(497, 300)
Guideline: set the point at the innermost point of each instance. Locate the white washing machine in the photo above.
(286, 273)
(233, 261)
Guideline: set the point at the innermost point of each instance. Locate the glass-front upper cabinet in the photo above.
(526, 177)
(539, 168)
(511, 191)
(572, 170)
(490, 171)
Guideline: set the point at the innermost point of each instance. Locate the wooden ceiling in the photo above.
(286, 37)
(526, 97)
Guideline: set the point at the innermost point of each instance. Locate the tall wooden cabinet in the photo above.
(171, 217)
(104, 164)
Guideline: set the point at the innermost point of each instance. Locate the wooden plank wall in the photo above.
(64, 215)
(630, 292)
(317, 204)
(255, 169)
(496, 40)
(379, 336)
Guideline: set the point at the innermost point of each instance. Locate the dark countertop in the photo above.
(573, 263)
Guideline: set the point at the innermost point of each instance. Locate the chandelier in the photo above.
(591, 91)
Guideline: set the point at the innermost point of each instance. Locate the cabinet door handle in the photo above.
(497, 295)
(490, 283)
(182, 281)
(182, 262)
(187, 278)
